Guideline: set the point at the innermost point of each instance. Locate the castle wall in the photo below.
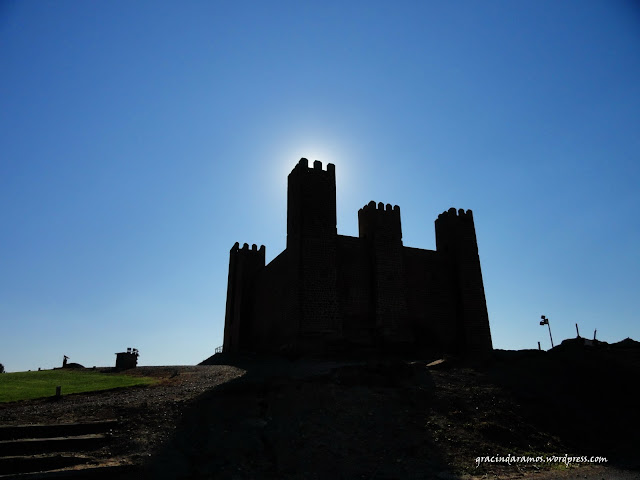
(318, 277)
(326, 292)
(273, 298)
(430, 299)
(355, 292)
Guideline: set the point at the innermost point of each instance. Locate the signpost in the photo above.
(545, 321)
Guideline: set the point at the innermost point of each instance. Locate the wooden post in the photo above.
(577, 331)
(58, 391)
(594, 333)
(539, 348)
(545, 321)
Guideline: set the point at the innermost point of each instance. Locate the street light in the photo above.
(545, 321)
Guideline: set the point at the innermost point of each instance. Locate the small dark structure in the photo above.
(329, 293)
(128, 359)
(66, 364)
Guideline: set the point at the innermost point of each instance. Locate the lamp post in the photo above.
(545, 321)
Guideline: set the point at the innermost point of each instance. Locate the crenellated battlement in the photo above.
(453, 213)
(246, 251)
(380, 207)
(455, 232)
(379, 218)
(303, 167)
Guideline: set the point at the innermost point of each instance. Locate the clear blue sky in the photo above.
(140, 140)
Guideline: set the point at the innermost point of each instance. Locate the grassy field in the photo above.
(29, 385)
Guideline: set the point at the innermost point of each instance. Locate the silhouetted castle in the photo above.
(328, 293)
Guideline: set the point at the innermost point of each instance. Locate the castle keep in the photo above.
(330, 293)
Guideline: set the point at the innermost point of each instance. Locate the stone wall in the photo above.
(328, 292)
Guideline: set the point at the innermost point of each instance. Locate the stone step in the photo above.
(13, 432)
(76, 443)
(112, 472)
(38, 463)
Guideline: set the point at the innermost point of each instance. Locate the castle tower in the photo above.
(381, 229)
(311, 202)
(311, 244)
(243, 267)
(456, 239)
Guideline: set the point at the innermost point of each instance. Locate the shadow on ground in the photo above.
(308, 419)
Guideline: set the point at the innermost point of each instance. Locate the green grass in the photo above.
(29, 385)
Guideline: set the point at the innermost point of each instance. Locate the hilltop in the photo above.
(269, 417)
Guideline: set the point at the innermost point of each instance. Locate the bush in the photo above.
(1, 368)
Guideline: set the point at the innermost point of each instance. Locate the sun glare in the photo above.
(310, 153)
(329, 149)
(287, 158)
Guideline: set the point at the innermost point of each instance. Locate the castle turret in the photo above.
(311, 244)
(244, 263)
(456, 239)
(380, 222)
(311, 202)
(381, 229)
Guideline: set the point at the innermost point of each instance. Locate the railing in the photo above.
(218, 350)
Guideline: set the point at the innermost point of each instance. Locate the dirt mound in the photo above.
(74, 365)
(306, 419)
(627, 343)
(398, 419)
